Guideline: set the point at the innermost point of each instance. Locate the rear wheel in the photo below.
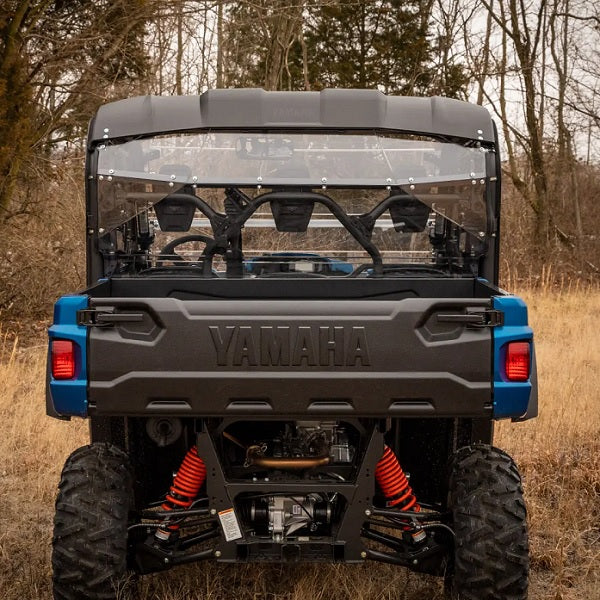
(89, 546)
(491, 555)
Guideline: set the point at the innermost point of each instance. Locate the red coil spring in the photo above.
(186, 483)
(393, 482)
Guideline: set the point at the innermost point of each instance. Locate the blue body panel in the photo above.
(512, 398)
(69, 397)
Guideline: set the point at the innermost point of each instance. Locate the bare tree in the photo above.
(523, 28)
(280, 23)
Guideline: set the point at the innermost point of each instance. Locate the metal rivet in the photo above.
(480, 137)
(217, 553)
(259, 178)
(166, 560)
(259, 187)
(213, 511)
(101, 147)
(111, 171)
(388, 180)
(368, 512)
(388, 187)
(412, 187)
(101, 230)
(482, 234)
(323, 187)
(323, 179)
(109, 178)
(411, 179)
(172, 176)
(194, 178)
(480, 131)
(171, 184)
(105, 136)
(473, 181)
(471, 174)
(106, 130)
(482, 181)
(100, 177)
(363, 554)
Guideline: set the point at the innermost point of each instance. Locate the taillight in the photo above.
(63, 359)
(518, 361)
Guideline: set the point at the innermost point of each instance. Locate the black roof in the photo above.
(255, 108)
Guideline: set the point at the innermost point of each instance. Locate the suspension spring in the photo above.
(186, 485)
(394, 484)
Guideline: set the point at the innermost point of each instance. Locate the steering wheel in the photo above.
(168, 252)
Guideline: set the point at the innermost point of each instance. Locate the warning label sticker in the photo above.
(230, 525)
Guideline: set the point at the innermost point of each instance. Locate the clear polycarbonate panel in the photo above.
(448, 177)
(272, 158)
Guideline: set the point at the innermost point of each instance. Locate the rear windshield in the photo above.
(289, 202)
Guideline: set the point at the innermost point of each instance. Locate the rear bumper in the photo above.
(363, 394)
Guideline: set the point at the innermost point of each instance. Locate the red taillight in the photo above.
(63, 359)
(517, 361)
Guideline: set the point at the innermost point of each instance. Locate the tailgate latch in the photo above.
(490, 317)
(92, 317)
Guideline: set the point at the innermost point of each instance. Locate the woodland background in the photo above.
(534, 64)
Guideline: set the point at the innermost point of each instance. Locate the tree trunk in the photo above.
(481, 76)
(286, 18)
(16, 123)
(526, 53)
(220, 42)
(179, 55)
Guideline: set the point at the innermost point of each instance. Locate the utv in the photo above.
(292, 346)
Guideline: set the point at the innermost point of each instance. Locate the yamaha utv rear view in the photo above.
(292, 346)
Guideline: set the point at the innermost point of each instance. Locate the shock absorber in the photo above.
(186, 485)
(394, 484)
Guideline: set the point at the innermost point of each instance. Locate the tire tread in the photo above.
(89, 545)
(491, 558)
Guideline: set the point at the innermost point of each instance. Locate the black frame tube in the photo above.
(234, 226)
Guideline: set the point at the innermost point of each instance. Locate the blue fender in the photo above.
(513, 399)
(68, 397)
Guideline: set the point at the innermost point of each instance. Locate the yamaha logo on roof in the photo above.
(288, 346)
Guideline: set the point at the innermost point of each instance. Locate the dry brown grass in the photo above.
(559, 452)
(559, 456)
